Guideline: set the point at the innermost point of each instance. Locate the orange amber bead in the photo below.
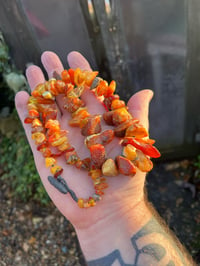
(95, 173)
(91, 202)
(60, 86)
(136, 130)
(80, 203)
(72, 104)
(33, 113)
(79, 77)
(102, 138)
(116, 104)
(65, 76)
(120, 130)
(51, 87)
(120, 115)
(89, 77)
(98, 155)
(125, 166)
(102, 87)
(143, 162)
(111, 89)
(39, 90)
(92, 126)
(101, 186)
(53, 125)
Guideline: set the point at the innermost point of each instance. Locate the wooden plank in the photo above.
(110, 42)
(192, 114)
(96, 40)
(18, 34)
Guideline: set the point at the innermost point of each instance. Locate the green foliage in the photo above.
(16, 159)
(19, 169)
(197, 165)
(4, 56)
(11, 79)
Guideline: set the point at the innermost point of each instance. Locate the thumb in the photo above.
(139, 106)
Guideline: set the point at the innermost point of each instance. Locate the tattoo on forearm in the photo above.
(150, 253)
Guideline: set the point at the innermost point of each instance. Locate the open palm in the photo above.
(122, 190)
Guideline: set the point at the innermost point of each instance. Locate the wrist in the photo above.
(114, 231)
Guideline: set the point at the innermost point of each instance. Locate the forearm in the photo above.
(135, 238)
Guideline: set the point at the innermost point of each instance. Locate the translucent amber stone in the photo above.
(116, 104)
(96, 173)
(125, 166)
(39, 90)
(65, 76)
(64, 146)
(91, 202)
(36, 123)
(53, 125)
(143, 162)
(38, 137)
(80, 203)
(129, 152)
(60, 86)
(120, 115)
(102, 87)
(109, 168)
(60, 141)
(92, 126)
(33, 113)
(89, 77)
(111, 89)
(51, 87)
(102, 138)
(49, 161)
(79, 77)
(98, 155)
(136, 130)
(55, 169)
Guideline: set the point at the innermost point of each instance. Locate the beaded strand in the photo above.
(53, 142)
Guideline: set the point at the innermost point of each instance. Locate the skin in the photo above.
(124, 212)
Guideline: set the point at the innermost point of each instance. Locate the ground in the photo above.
(35, 235)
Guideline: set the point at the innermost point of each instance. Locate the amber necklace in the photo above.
(52, 141)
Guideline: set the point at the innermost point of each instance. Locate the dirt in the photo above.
(35, 235)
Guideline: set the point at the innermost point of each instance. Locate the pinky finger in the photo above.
(21, 99)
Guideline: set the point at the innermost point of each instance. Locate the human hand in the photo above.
(124, 193)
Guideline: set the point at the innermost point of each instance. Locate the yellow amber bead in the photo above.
(59, 141)
(36, 123)
(47, 95)
(80, 203)
(64, 146)
(49, 161)
(38, 137)
(129, 152)
(54, 169)
(91, 202)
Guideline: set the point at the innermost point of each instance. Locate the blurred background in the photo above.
(139, 43)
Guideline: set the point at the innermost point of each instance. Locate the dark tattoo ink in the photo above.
(61, 185)
(57, 184)
(153, 252)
